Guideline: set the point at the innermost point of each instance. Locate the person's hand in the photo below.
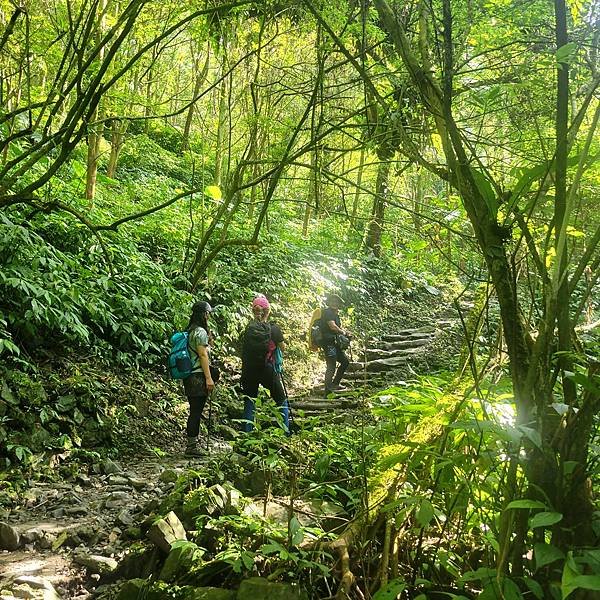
(210, 385)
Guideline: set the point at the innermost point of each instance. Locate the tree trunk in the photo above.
(118, 129)
(95, 132)
(375, 230)
(200, 77)
(314, 189)
(221, 150)
(357, 192)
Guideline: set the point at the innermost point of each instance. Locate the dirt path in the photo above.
(70, 533)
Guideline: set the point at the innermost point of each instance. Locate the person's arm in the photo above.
(203, 356)
(333, 327)
(277, 336)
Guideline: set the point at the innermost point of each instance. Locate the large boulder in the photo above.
(211, 593)
(95, 563)
(9, 537)
(29, 586)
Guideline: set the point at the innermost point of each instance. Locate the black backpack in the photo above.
(257, 344)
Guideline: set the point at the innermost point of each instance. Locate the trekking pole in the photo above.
(208, 425)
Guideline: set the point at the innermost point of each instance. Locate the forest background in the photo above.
(152, 154)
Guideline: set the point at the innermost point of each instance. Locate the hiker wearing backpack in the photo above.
(199, 384)
(334, 340)
(262, 342)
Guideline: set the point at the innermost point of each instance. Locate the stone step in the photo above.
(379, 365)
(401, 337)
(401, 344)
(389, 349)
(331, 404)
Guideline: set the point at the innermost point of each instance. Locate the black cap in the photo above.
(202, 306)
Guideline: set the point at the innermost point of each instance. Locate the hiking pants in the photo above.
(270, 381)
(334, 355)
(195, 391)
(197, 404)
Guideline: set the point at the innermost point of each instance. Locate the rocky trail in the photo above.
(66, 536)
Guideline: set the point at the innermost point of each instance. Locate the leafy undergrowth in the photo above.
(69, 410)
(409, 478)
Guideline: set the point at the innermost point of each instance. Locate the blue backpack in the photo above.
(180, 360)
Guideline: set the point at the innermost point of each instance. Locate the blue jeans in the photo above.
(270, 381)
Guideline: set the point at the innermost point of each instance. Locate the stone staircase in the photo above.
(379, 359)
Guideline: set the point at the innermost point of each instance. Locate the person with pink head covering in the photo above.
(261, 341)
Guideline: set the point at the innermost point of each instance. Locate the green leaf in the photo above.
(511, 590)
(7, 395)
(560, 408)
(545, 554)
(486, 190)
(426, 513)
(213, 191)
(247, 559)
(569, 574)
(566, 53)
(482, 574)
(391, 590)
(534, 587)
(526, 504)
(591, 384)
(545, 519)
(533, 435)
(586, 582)
(272, 548)
(65, 403)
(59, 541)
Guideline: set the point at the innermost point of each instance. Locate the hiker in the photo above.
(199, 384)
(332, 343)
(262, 342)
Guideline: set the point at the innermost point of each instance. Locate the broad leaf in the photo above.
(545, 519)
(526, 504)
(390, 591)
(546, 554)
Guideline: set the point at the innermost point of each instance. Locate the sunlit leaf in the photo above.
(213, 191)
(526, 504)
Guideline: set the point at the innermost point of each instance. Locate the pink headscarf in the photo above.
(261, 302)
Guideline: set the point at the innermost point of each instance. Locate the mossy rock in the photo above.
(258, 588)
(211, 593)
(141, 589)
(182, 558)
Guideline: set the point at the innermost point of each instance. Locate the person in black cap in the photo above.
(199, 384)
(331, 329)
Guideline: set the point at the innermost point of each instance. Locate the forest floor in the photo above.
(73, 532)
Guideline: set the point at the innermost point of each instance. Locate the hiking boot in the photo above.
(193, 448)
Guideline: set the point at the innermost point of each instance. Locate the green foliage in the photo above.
(55, 299)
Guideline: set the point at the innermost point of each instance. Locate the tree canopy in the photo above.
(152, 153)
